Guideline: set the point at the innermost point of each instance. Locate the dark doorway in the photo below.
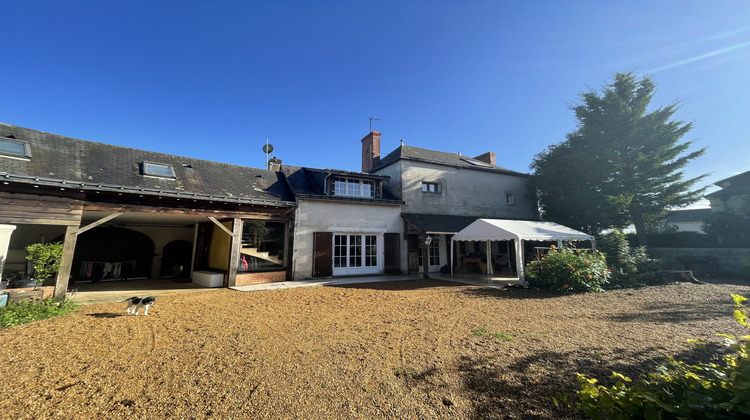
(175, 259)
(112, 253)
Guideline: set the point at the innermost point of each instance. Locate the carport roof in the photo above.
(57, 160)
(438, 223)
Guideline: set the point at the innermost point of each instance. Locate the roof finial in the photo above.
(402, 142)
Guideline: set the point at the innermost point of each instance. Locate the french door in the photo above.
(355, 254)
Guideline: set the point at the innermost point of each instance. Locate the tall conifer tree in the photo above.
(622, 165)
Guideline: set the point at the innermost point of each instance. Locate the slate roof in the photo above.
(440, 158)
(438, 223)
(64, 161)
(310, 183)
(735, 185)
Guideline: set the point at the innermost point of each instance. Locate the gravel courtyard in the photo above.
(418, 349)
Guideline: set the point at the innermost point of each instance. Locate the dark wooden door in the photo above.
(392, 253)
(322, 254)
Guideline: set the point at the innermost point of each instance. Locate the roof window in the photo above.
(158, 169)
(10, 147)
(477, 162)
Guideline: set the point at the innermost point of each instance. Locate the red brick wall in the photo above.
(255, 278)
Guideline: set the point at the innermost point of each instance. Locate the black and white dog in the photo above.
(137, 302)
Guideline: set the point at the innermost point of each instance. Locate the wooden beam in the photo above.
(248, 212)
(221, 226)
(234, 254)
(104, 219)
(63, 275)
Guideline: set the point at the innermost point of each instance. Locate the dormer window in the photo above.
(354, 187)
(14, 148)
(158, 169)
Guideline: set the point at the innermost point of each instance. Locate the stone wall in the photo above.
(704, 260)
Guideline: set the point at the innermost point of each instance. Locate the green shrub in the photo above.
(25, 312)
(45, 259)
(678, 390)
(629, 265)
(569, 271)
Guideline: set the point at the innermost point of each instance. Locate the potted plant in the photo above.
(45, 259)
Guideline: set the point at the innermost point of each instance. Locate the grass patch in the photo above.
(484, 332)
(25, 312)
(404, 372)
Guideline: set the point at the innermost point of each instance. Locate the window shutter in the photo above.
(322, 254)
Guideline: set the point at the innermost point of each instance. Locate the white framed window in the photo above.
(434, 252)
(353, 187)
(10, 147)
(510, 199)
(158, 169)
(431, 187)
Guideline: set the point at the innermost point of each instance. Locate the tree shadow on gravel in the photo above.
(525, 388)
(508, 293)
(105, 315)
(398, 285)
(676, 312)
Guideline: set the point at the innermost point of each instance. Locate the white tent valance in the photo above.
(526, 230)
(517, 231)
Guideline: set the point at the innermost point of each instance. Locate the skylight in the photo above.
(477, 162)
(14, 148)
(158, 169)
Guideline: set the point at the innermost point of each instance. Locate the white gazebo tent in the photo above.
(517, 230)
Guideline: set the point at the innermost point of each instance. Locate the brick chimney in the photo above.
(274, 164)
(370, 150)
(488, 157)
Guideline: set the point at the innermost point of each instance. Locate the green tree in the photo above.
(621, 165)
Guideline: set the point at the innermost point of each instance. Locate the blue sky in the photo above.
(213, 80)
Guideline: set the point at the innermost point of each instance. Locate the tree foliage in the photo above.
(621, 165)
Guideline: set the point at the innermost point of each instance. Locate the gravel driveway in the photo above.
(409, 349)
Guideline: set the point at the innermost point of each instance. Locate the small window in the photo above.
(510, 199)
(431, 187)
(14, 148)
(158, 169)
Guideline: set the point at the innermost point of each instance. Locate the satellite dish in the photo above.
(267, 148)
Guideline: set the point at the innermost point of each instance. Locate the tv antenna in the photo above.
(267, 149)
(371, 120)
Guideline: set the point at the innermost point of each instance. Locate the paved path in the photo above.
(497, 283)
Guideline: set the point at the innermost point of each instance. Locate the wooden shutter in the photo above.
(392, 253)
(322, 254)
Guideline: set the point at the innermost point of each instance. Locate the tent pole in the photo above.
(489, 257)
(519, 261)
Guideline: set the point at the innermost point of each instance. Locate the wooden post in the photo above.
(234, 253)
(63, 276)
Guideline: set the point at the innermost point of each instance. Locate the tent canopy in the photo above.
(526, 230)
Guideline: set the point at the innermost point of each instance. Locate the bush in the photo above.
(678, 390)
(569, 271)
(25, 312)
(629, 265)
